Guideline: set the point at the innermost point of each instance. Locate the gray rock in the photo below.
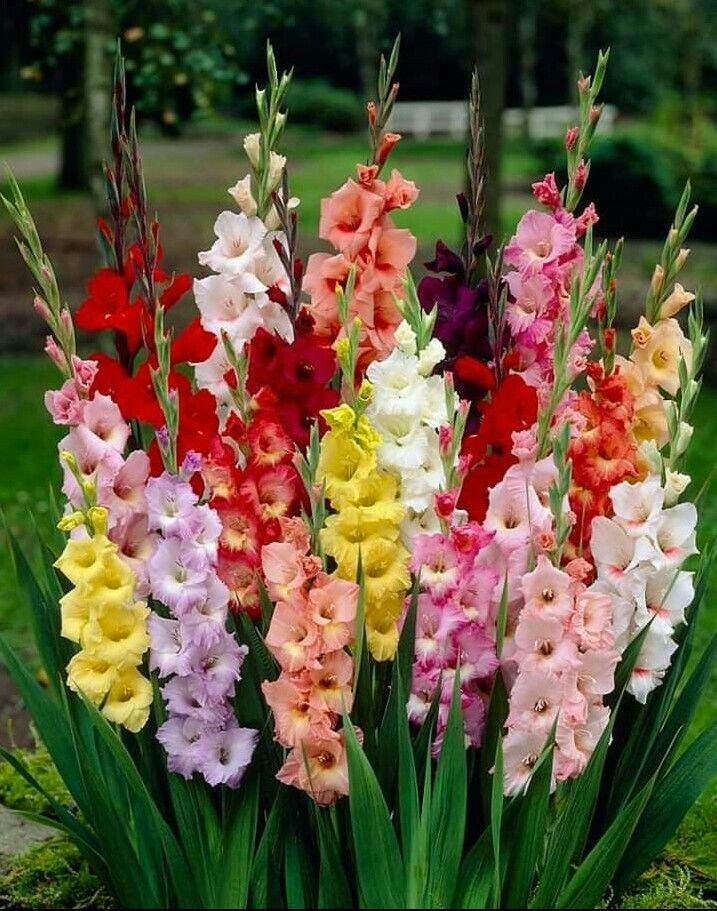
(17, 835)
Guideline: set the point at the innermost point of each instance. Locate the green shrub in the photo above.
(317, 103)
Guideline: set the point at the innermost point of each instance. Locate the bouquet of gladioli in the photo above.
(383, 602)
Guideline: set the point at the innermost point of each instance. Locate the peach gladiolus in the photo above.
(348, 217)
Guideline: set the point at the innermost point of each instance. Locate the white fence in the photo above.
(429, 118)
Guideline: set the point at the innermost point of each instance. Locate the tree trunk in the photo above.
(368, 18)
(527, 27)
(490, 18)
(73, 161)
(579, 20)
(99, 29)
(85, 99)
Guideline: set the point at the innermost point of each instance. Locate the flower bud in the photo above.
(658, 276)
(681, 258)
(365, 392)
(571, 137)
(684, 435)
(72, 521)
(252, 147)
(675, 302)
(445, 503)
(242, 195)
(405, 338)
(55, 353)
(581, 174)
(445, 438)
(277, 163)
(66, 322)
(97, 516)
(41, 308)
(70, 460)
(388, 141)
(675, 485)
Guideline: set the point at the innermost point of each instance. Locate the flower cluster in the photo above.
(192, 646)
(638, 554)
(313, 622)
(242, 296)
(546, 257)
(455, 627)
(408, 408)
(461, 324)
(249, 501)
(95, 469)
(603, 452)
(365, 527)
(510, 411)
(565, 655)
(355, 220)
(101, 613)
(289, 379)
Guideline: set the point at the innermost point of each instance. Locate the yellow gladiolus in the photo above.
(91, 676)
(82, 560)
(118, 635)
(129, 700)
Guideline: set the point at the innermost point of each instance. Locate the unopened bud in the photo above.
(388, 141)
(252, 147)
(70, 460)
(41, 308)
(681, 258)
(66, 322)
(658, 276)
(97, 516)
(56, 355)
(571, 136)
(70, 522)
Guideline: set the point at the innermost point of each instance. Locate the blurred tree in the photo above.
(176, 61)
(490, 30)
(527, 31)
(369, 22)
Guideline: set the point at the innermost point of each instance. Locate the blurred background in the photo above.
(191, 68)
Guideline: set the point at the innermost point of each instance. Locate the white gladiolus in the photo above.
(638, 555)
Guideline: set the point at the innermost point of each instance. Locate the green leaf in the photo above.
(51, 722)
(334, 890)
(497, 713)
(572, 824)
(238, 839)
(265, 891)
(408, 801)
(676, 792)
(448, 807)
(496, 821)
(683, 711)
(407, 642)
(529, 833)
(378, 861)
(44, 616)
(300, 876)
(588, 884)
